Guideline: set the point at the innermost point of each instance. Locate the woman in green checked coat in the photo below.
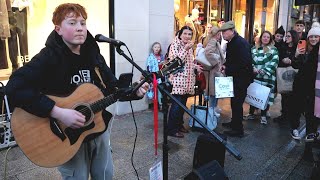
(265, 62)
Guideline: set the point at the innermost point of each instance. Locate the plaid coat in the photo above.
(268, 61)
(183, 82)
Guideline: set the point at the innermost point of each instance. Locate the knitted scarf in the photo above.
(317, 89)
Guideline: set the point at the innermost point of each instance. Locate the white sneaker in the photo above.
(249, 117)
(295, 134)
(263, 120)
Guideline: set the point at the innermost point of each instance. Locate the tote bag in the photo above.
(201, 58)
(201, 112)
(258, 95)
(285, 78)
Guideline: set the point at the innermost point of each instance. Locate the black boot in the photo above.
(234, 133)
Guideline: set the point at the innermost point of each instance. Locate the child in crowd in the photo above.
(154, 63)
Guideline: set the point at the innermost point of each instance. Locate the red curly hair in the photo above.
(64, 10)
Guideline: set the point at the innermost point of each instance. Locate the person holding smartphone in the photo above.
(182, 82)
(304, 87)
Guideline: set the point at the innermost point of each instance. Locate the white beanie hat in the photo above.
(315, 31)
(315, 24)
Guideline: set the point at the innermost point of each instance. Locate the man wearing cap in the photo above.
(238, 65)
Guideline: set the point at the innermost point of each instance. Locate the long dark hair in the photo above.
(295, 37)
(184, 28)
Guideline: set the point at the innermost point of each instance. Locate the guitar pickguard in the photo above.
(74, 134)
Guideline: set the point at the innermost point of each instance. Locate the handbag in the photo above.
(285, 78)
(223, 87)
(204, 114)
(201, 58)
(258, 95)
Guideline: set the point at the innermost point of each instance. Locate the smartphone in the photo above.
(302, 44)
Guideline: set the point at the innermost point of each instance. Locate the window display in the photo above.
(26, 24)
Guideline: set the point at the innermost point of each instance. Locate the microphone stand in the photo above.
(163, 90)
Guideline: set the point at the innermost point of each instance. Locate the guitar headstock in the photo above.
(171, 67)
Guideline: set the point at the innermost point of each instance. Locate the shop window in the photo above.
(307, 13)
(26, 24)
(216, 11)
(239, 15)
(264, 16)
(191, 13)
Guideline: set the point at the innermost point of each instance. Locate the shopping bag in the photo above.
(258, 95)
(223, 87)
(210, 120)
(201, 58)
(285, 78)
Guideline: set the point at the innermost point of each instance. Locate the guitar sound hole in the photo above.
(85, 111)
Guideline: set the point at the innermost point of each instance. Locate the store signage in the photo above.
(306, 2)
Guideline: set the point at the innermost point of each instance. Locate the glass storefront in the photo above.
(239, 16)
(308, 13)
(30, 24)
(249, 15)
(265, 16)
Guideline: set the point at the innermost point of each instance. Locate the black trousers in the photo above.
(285, 104)
(240, 93)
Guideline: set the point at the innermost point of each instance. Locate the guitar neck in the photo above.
(103, 103)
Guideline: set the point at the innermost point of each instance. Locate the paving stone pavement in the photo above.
(268, 151)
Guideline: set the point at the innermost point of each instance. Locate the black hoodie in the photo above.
(55, 70)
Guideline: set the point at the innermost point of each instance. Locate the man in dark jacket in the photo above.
(68, 60)
(238, 65)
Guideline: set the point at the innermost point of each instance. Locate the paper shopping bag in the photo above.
(223, 87)
(258, 95)
(285, 78)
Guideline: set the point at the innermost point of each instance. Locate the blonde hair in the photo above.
(266, 48)
(214, 31)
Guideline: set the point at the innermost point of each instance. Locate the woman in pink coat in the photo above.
(182, 82)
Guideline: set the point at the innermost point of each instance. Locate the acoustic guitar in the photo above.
(48, 143)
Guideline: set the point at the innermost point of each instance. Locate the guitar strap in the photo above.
(99, 75)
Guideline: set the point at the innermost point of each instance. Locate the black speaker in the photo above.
(208, 149)
(209, 171)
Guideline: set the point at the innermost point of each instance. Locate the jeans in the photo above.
(213, 101)
(93, 157)
(175, 120)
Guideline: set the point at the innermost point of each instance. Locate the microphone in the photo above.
(102, 38)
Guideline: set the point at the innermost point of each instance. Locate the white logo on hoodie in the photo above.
(83, 76)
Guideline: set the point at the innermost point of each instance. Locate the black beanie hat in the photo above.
(280, 30)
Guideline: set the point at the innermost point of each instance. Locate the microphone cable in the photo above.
(134, 120)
